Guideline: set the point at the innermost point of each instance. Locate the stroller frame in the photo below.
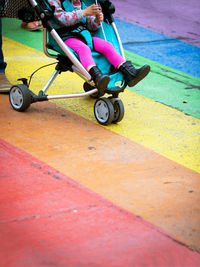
(106, 110)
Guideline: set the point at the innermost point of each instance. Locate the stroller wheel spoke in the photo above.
(17, 97)
(102, 110)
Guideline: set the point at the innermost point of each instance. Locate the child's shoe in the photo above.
(132, 75)
(31, 26)
(100, 80)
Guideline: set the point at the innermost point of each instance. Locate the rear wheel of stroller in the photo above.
(87, 87)
(20, 97)
(118, 109)
(104, 111)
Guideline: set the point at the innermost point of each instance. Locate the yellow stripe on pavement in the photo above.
(163, 129)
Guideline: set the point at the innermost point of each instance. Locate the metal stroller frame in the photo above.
(106, 110)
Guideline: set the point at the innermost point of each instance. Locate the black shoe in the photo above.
(132, 75)
(101, 81)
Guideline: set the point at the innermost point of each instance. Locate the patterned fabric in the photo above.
(66, 18)
(10, 8)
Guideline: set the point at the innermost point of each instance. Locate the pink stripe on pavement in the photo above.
(47, 219)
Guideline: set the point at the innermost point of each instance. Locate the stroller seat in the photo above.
(103, 64)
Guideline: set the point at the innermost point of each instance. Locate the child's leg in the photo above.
(88, 63)
(82, 50)
(131, 75)
(108, 50)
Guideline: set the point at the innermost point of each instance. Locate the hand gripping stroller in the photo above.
(106, 110)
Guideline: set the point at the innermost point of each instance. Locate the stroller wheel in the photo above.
(87, 87)
(20, 97)
(118, 109)
(104, 111)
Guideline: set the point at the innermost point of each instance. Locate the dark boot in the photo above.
(101, 81)
(132, 75)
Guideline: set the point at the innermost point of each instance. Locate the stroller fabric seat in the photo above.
(103, 64)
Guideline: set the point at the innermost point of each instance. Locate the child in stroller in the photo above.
(80, 21)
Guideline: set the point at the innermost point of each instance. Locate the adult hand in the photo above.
(92, 10)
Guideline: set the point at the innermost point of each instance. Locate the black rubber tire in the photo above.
(104, 111)
(118, 110)
(20, 97)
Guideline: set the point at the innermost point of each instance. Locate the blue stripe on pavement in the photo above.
(160, 48)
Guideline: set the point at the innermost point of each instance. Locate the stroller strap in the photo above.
(75, 30)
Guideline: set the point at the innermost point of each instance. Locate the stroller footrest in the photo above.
(114, 90)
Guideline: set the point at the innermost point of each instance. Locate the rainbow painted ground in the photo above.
(76, 193)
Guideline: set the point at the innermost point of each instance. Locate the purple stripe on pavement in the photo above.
(179, 19)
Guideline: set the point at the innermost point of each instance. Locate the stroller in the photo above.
(107, 110)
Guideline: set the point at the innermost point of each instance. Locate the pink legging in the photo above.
(101, 46)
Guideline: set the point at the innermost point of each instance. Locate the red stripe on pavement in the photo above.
(47, 219)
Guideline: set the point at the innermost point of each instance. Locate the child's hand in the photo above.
(92, 10)
(99, 18)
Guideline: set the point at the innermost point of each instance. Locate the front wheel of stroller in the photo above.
(20, 97)
(104, 111)
(118, 109)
